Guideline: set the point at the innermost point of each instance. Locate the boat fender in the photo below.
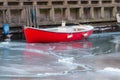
(70, 36)
(85, 34)
(5, 29)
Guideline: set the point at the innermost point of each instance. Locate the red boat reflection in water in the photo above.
(38, 59)
(43, 54)
(42, 49)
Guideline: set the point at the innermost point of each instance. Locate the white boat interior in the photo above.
(67, 29)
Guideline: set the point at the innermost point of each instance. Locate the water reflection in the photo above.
(116, 41)
(40, 59)
(105, 45)
(95, 59)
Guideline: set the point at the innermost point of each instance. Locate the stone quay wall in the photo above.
(54, 11)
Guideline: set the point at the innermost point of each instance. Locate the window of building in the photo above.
(13, 3)
(72, 2)
(106, 1)
(1, 3)
(118, 9)
(74, 13)
(86, 14)
(27, 3)
(117, 1)
(57, 3)
(108, 12)
(44, 15)
(94, 2)
(42, 3)
(84, 2)
(97, 12)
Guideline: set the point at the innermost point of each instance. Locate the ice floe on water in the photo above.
(110, 71)
(116, 39)
(12, 44)
(92, 59)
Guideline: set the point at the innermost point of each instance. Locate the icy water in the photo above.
(96, 58)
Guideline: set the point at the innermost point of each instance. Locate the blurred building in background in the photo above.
(54, 11)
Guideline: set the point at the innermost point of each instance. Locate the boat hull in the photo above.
(40, 36)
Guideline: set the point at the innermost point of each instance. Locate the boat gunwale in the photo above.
(86, 28)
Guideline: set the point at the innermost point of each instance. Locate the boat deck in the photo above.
(67, 29)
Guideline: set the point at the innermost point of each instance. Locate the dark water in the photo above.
(96, 58)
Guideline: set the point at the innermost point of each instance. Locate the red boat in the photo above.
(59, 34)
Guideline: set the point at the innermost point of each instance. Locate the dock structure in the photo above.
(54, 11)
